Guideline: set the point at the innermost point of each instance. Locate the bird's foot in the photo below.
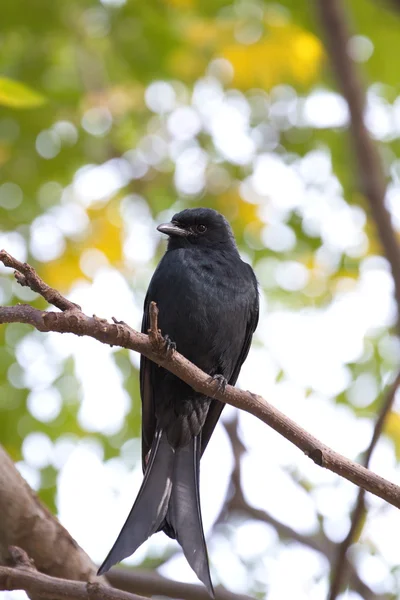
(221, 382)
(170, 346)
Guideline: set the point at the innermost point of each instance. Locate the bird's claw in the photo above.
(221, 382)
(170, 346)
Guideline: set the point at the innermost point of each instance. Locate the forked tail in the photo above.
(168, 498)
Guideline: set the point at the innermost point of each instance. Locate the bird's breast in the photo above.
(203, 306)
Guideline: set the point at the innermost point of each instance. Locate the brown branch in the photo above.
(151, 583)
(370, 171)
(372, 182)
(27, 523)
(342, 565)
(156, 339)
(116, 334)
(236, 502)
(23, 576)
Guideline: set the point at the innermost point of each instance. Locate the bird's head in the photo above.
(198, 227)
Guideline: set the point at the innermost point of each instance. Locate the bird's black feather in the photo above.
(208, 305)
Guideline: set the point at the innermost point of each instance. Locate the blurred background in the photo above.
(116, 114)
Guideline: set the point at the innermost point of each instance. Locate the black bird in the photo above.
(208, 307)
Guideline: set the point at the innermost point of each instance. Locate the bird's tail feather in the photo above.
(184, 513)
(168, 499)
(151, 504)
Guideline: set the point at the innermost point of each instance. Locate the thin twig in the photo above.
(119, 335)
(156, 339)
(236, 502)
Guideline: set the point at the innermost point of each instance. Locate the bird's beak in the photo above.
(172, 230)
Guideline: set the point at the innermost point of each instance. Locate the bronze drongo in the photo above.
(208, 306)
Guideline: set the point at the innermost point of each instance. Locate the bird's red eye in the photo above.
(201, 228)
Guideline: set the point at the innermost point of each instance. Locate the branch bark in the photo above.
(151, 583)
(24, 576)
(26, 523)
(38, 585)
(118, 334)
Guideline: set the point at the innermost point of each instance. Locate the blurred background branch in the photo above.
(372, 182)
(371, 175)
(235, 503)
(342, 565)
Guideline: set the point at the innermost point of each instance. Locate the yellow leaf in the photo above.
(180, 3)
(392, 429)
(104, 235)
(306, 57)
(4, 153)
(203, 32)
(64, 271)
(18, 95)
(285, 54)
(186, 65)
(106, 231)
(237, 210)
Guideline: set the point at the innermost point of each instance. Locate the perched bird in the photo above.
(208, 307)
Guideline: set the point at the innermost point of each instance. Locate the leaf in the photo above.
(392, 429)
(19, 95)
(285, 54)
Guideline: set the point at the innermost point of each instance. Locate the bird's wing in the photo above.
(146, 393)
(216, 406)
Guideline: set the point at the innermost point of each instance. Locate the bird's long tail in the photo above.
(168, 499)
(184, 513)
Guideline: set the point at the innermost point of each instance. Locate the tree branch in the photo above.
(370, 171)
(236, 502)
(372, 182)
(27, 523)
(75, 321)
(152, 583)
(23, 576)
